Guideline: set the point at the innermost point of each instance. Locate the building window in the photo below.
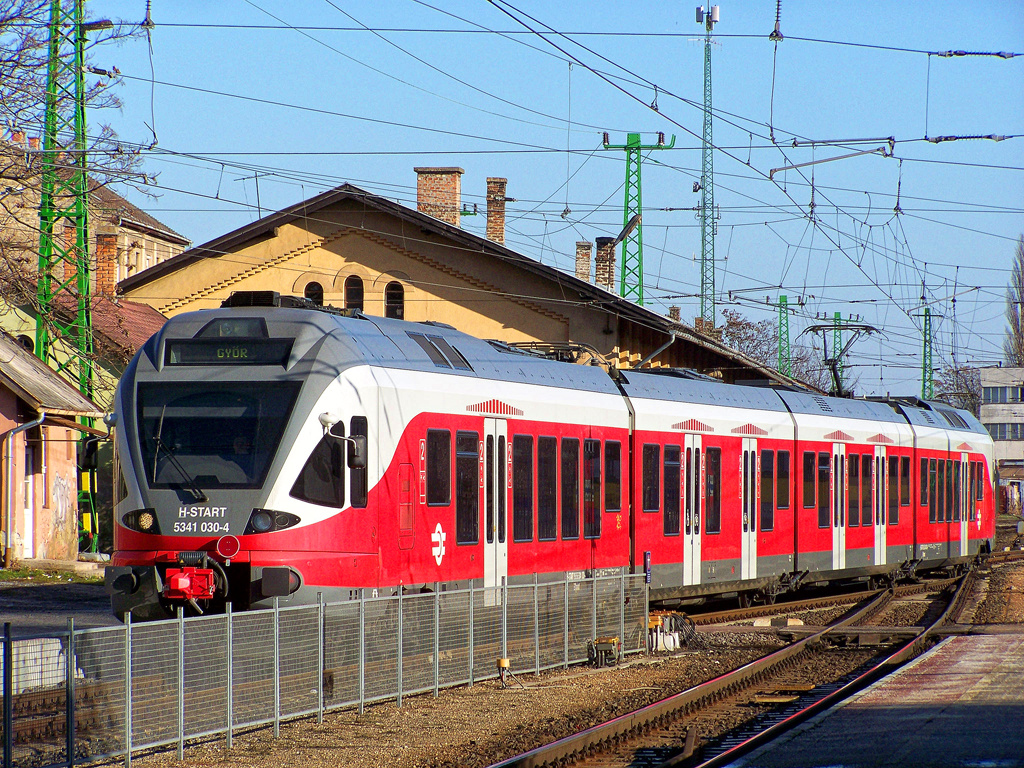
(354, 293)
(315, 293)
(394, 301)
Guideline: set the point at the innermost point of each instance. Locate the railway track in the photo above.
(666, 733)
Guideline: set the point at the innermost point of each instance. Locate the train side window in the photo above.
(981, 482)
(809, 497)
(894, 493)
(713, 490)
(672, 474)
(570, 488)
(956, 491)
(357, 478)
(940, 514)
(767, 490)
(949, 490)
(322, 479)
(923, 479)
(904, 481)
(651, 477)
(503, 460)
(489, 490)
(612, 476)
(522, 488)
(467, 487)
(547, 488)
(933, 505)
(591, 489)
(782, 486)
(866, 496)
(824, 469)
(439, 467)
(853, 477)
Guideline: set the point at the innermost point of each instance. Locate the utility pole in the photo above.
(927, 372)
(706, 186)
(631, 275)
(785, 365)
(837, 343)
(64, 280)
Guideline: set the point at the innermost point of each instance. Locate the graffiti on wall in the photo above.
(63, 492)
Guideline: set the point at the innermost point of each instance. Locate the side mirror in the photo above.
(87, 458)
(357, 452)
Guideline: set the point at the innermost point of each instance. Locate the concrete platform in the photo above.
(67, 566)
(961, 704)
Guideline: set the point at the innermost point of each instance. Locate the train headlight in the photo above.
(262, 521)
(141, 520)
(146, 521)
(267, 520)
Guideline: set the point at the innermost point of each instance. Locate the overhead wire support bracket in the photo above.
(884, 152)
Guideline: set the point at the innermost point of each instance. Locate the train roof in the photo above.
(663, 385)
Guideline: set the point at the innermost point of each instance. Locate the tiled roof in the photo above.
(105, 200)
(126, 325)
(25, 375)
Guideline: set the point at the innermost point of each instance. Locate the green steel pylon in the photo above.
(785, 360)
(708, 222)
(64, 279)
(631, 275)
(927, 382)
(837, 344)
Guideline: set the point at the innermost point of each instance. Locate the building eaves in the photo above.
(38, 386)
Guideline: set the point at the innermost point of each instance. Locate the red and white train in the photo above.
(272, 448)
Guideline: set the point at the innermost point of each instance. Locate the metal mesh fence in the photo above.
(204, 675)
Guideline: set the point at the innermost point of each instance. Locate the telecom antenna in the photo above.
(631, 275)
(708, 223)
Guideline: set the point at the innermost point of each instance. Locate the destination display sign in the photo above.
(234, 351)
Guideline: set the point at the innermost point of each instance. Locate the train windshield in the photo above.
(211, 435)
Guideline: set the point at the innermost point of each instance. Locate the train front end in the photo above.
(212, 418)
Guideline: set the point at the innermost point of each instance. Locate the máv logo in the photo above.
(438, 537)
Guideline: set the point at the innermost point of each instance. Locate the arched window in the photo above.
(315, 293)
(353, 293)
(394, 301)
(27, 343)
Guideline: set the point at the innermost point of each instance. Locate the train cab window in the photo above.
(394, 300)
(651, 477)
(354, 292)
(591, 489)
(809, 498)
(357, 476)
(570, 488)
(866, 497)
(824, 469)
(522, 488)
(547, 488)
(713, 490)
(767, 490)
(467, 487)
(439, 467)
(782, 484)
(894, 493)
(904, 481)
(853, 477)
(933, 511)
(671, 498)
(612, 476)
(322, 479)
(940, 513)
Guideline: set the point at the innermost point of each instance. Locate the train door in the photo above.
(964, 501)
(750, 482)
(879, 503)
(693, 500)
(838, 505)
(497, 481)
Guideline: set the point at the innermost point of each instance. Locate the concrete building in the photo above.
(353, 249)
(1002, 413)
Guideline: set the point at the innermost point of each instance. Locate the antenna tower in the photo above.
(708, 223)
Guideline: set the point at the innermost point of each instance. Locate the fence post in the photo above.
(181, 683)
(565, 625)
(504, 617)
(69, 690)
(231, 672)
(321, 639)
(128, 689)
(401, 644)
(362, 650)
(622, 611)
(647, 614)
(8, 697)
(472, 629)
(593, 614)
(536, 628)
(437, 636)
(277, 667)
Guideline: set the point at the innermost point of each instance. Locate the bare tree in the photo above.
(960, 387)
(1013, 344)
(760, 341)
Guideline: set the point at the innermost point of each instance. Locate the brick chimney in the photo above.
(496, 209)
(584, 252)
(673, 313)
(106, 264)
(17, 137)
(439, 193)
(33, 143)
(604, 263)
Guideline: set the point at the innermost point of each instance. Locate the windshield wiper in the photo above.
(193, 488)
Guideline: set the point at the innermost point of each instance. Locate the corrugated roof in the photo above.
(25, 375)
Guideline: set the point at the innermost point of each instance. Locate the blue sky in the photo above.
(324, 105)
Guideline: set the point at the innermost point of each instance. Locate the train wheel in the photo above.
(745, 599)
